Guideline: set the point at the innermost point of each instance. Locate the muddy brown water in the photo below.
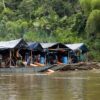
(71, 85)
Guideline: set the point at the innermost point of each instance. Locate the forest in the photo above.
(66, 21)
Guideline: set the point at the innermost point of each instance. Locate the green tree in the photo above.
(95, 4)
(93, 25)
(86, 6)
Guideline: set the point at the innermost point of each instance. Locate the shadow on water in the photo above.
(78, 85)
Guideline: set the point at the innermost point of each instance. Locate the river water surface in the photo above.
(72, 85)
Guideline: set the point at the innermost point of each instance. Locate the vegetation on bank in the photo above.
(66, 21)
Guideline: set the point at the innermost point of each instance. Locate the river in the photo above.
(71, 85)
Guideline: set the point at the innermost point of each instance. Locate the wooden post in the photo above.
(68, 57)
(86, 56)
(10, 57)
(45, 59)
(31, 56)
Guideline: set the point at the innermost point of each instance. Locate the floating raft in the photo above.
(78, 66)
(25, 69)
(55, 67)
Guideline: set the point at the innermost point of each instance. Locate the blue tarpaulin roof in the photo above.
(35, 46)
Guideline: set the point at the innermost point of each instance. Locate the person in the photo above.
(18, 59)
(29, 60)
(18, 55)
(0, 59)
(74, 59)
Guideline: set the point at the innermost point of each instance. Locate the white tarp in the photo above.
(75, 46)
(9, 44)
(47, 45)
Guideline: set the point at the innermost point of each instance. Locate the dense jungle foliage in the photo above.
(66, 21)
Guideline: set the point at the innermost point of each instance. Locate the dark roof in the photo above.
(54, 46)
(59, 46)
(35, 46)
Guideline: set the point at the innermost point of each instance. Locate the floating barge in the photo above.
(26, 69)
(39, 57)
(77, 66)
(55, 67)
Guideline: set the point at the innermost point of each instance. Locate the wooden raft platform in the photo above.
(25, 69)
(55, 67)
(78, 66)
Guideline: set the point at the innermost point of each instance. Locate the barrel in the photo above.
(42, 59)
(64, 59)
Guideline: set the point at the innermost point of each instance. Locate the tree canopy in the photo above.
(66, 21)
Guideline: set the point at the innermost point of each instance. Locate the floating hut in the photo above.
(57, 53)
(17, 53)
(80, 51)
(36, 53)
(9, 51)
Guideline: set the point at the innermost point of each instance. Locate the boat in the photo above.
(26, 69)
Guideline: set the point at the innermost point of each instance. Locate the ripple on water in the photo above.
(78, 78)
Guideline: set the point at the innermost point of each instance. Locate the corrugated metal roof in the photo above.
(9, 44)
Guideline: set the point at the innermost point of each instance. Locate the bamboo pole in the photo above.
(87, 57)
(10, 57)
(31, 56)
(45, 59)
(68, 57)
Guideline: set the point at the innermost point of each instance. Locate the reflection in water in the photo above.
(77, 88)
(57, 86)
